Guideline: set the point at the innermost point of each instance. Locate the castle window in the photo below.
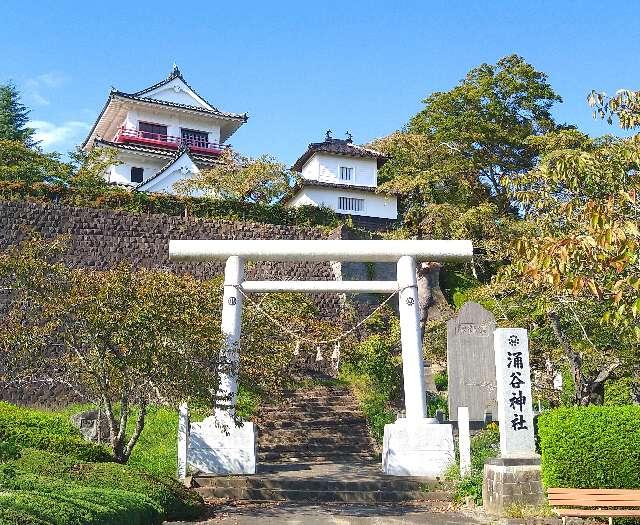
(153, 131)
(350, 204)
(193, 137)
(346, 173)
(137, 174)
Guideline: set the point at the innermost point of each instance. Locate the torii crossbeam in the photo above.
(405, 253)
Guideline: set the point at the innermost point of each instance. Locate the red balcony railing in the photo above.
(168, 141)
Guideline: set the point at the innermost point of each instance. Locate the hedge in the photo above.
(25, 428)
(591, 447)
(116, 198)
(50, 475)
(41, 472)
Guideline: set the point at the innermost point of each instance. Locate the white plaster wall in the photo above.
(121, 173)
(382, 206)
(174, 122)
(181, 169)
(365, 171)
(178, 92)
(311, 169)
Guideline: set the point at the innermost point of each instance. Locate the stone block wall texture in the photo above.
(100, 239)
(505, 484)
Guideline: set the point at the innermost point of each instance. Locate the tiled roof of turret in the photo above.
(339, 147)
(200, 160)
(175, 73)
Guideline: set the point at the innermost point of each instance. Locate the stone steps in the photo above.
(292, 456)
(319, 410)
(262, 481)
(353, 482)
(283, 439)
(319, 434)
(320, 424)
(329, 423)
(315, 448)
(321, 496)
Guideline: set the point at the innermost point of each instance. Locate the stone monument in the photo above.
(470, 362)
(514, 477)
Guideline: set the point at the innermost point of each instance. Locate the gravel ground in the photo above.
(338, 514)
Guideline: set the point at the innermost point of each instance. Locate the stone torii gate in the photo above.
(412, 445)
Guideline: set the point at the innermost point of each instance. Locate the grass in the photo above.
(484, 445)
(373, 401)
(50, 475)
(157, 448)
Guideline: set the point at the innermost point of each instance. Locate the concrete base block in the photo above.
(222, 451)
(509, 481)
(417, 447)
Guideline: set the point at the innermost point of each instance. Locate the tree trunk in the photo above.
(433, 303)
(588, 391)
(575, 360)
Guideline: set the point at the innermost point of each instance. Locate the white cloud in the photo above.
(36, 88)
(53, 136)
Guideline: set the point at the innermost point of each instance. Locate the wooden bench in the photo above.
(595, 502)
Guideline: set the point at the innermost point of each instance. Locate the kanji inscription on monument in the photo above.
(471, 363)
(515, 409)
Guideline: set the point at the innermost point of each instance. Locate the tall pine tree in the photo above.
(14, 116)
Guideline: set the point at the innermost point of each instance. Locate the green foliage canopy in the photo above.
(235, 177)
(14, 117)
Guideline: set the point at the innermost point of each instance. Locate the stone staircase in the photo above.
(314, 447)
(321, 424)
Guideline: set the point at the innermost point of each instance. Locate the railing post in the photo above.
(183, 440)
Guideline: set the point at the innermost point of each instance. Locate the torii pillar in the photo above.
(414, 445)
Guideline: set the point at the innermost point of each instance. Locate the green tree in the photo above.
(624, 105)
(574, 275)
(19, 163)
(121, 339)
(89, 168)
(14, 116)
(487, 118)
(452, 164)
(260, 181)
(125, 339)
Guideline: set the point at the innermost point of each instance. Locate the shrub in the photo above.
(590, 447)
(620, 391)
(70, 504)
(43, 471)
(8, 451)
(484, 445)
(441, 379)
(373, 369)
(141, 202)
(435, 403)
(21, 427)
(375, 358)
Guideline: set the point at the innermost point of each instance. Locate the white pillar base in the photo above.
(220, 451)
(417, 447)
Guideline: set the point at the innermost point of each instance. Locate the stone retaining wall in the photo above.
(101, 238)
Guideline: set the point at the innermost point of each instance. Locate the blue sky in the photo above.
(299, 68)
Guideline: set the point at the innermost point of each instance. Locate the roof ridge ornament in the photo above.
(349, 138)
(175, 72)
(327, 136)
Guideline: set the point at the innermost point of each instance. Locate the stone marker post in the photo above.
(471, 362)
(464, 441)
(183, 440)
(514, 477)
